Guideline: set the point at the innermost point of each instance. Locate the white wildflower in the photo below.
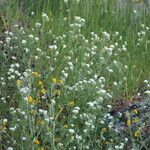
(71, 130)
(9, 148)
(24, 42)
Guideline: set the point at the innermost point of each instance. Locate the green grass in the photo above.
(71, 67)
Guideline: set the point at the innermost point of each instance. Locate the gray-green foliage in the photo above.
(98, 49)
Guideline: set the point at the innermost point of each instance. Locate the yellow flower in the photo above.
(65, 126)
(57, 92)
(54, 80)
(60, 81)
(135, 111)
(104, 130)
(30, 99)
(41, 148)
(40, 83)
(71, 103)
(19, 82)
(40, 122)
(43, 91)
(36, 141)
(137, 133)
(36, 74)
(128, 122)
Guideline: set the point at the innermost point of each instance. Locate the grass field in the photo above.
(74, 74)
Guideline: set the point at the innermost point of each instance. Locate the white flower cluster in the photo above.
(141, 34)
(13, 71)
(45, 16)
(78, 22)
(147, 82)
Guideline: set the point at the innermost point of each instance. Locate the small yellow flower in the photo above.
(36, 141)
(104, 130)
(36, 74)
(57, 92)
(128, 122)
(71, 103)
(54, 80)
(41, 148)
(135, 111)
(60, 81)
(40, 83)
(137, 133)
(65, 126)
(30, 99)
(19, 82)
(40, 122)
(43, 91)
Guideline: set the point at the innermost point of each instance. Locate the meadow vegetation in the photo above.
(74, 74)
